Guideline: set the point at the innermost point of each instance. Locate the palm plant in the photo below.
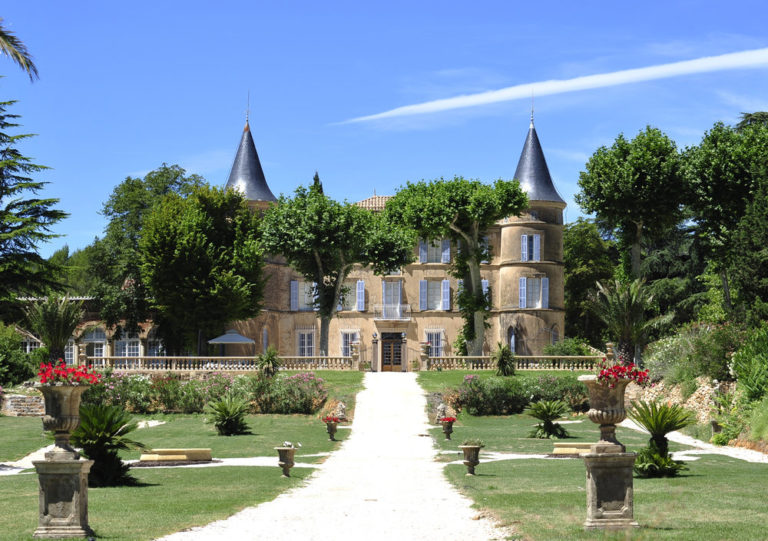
(659, 420)
(54, 320)
(548, 411)
(14, 48)
(623, 307)
(228, 415)
(504, 360)
(102, 433)
(269, 363)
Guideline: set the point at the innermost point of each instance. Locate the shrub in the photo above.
(504, 360)
(268, 363)
(301, 393)
(566, 387)
(15, 365)
(101, 434)
(228, 415)
(750, 363)
(659, 420)
(490, 396)
(166, 391)
(731, 412)
(758, 421)
(548, 411)
(567, 347)
(650, 463)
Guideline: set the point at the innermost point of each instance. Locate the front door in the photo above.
(391, 352)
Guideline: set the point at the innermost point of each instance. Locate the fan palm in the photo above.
(54, 320)
(548, 411)
(659, 420)
(504, 360)
(14, 48)
(102, 433)
(228, 415)
(623, 307)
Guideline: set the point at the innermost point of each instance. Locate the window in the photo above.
(264, 339)
(349, 300)
(511, 341)
(28, 345)
(534, 292)
(128, 346)
(306, 345)
(434, 295)
(555, 335)
(435, 339)
(435, 251)
(95, 341)
(302, 296)
(530, 247)
(347, 339)
(391, 295)
(69, 352)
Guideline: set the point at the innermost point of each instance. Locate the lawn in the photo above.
(717, 498)
(19, 436)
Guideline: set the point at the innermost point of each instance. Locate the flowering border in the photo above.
(51, 374)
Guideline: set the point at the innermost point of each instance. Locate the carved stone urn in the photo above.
(606, 408)
(285, 459)
(471, 457)
(331, 427)
(447, 428)
(62, 416)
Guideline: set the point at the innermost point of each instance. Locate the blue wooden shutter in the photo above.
(446, 255)
(485, 286)
(422, 251)
(537, 248)
(523, 247)
(422, 294)
(521, 292)
(446, 295)
(315, 307)
(294, 295)
(360, 295)
(545, 292)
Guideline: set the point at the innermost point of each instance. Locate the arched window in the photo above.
(555, 334)
(511, 338)
(264, 338)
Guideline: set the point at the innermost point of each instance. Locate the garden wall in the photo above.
(17, 405)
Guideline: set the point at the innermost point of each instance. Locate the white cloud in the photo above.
(756, 58)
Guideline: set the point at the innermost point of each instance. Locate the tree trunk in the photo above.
(325, 324)
(635, 252)
(475, 346)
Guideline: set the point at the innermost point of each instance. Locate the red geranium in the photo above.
(448, 419)
(609, 375)
(331, 419)
(61, 373)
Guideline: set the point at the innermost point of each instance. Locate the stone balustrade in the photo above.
(522, 362)
(214, 364)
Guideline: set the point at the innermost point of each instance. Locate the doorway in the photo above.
(391, 352)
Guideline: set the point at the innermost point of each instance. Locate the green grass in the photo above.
(170, 500)
(19, 436)
(434, 381)
(342, 385)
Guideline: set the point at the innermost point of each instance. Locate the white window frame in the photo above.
(305, 343)
(347, 339)
(128, 346)
(533, 292)
(69, 352)
(435, 339)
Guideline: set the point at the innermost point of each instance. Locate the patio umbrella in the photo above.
(232, 337)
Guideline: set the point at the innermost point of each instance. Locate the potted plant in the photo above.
(606, 397)
(331, 424)
(447, 423)
(62, 387)
(471, 449)
(286, 454)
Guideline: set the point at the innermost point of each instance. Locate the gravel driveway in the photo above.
(382, 483)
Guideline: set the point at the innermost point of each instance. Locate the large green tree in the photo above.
(588, 258)
(634, 188)
(722, 174)
(114, 259)
(324, 239)
(25, 219)
(12, 47)
(461, 210)
(202, 265)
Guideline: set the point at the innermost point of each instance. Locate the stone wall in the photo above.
(17, 405)
(700, 402)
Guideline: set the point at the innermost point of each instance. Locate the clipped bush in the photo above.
(228, 415)
(102, 434)
(567, 347)
(548, 411)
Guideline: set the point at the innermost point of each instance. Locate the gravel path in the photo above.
(381, 484)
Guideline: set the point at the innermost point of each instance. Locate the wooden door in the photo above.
(391, 355)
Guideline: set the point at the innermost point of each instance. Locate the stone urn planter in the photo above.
(285, 459)
(471, 457)
(62, 416)
(331, 425)
(606, 408)
(447, 423)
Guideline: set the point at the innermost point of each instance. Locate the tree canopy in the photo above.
(323, 240)
(634, 187)
(461, 210)
(202, 265)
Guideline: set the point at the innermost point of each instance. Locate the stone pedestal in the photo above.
(63, 509)
(610, 498)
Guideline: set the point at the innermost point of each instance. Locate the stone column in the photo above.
(610, 494)
(63, 511)
(354, 351)
(404, 353)
(375, 354)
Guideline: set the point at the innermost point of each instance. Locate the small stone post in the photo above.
(424, 355)
(375, 356)
(404, 353)
(354, 351)
(609, 352)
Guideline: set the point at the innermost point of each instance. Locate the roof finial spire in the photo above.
(248, 108)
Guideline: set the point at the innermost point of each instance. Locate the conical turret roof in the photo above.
(246, 176)
(532, 171)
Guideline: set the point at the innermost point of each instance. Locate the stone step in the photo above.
(176, 455)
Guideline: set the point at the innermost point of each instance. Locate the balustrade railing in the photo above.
(399, 312)
(522, 362)
(214, 364)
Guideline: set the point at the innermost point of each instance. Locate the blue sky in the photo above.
(126, 86)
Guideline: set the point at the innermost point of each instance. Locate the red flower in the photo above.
(609, 375)
(447, 419)
(61, 373)
(331, 419)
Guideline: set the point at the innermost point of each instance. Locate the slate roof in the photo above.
(247, 176)
(532, 171)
